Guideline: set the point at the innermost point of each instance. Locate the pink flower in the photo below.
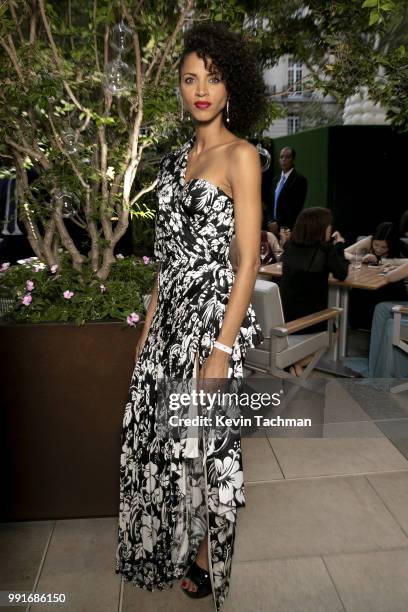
(68, 294)
(120, 256)
(29, 285)
(4, 266)
(146, 260)
(102, 288)
(27, 300)
(54, 268)
(37, 268)
(132, 319)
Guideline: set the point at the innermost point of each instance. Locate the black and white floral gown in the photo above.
(172, 491)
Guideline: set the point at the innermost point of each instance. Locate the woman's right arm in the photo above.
(398, 274)
(158, 253)
(364, 243)
(337, 263)
(274, 243)
(149, 318)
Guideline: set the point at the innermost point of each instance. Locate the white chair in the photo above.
(400, 339)
(282, 348)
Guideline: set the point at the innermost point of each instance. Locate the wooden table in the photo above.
(363, 278)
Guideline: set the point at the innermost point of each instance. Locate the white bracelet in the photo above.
(223, 347)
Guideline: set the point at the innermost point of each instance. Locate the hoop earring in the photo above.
(228, 117)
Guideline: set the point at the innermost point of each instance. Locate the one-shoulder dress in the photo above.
(171, 491)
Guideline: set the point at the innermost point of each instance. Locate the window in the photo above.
(294, 76)
(293, 124)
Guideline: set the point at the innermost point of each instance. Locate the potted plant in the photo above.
(87, 95)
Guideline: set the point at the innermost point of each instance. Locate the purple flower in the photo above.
(146, 260)
(27, 300)
(120, 256)
(102, 288)
(68, 294)
(54, 268)
(132, 319)
(29, 285)
(4, 266)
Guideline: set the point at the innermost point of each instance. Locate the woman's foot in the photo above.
(200, 582)
(201, 562)
(296, 370)
(187, 584)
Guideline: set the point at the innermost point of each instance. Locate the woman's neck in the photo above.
(209, 135)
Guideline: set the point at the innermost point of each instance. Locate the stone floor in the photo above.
(325, 527)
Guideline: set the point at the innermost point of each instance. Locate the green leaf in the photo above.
(370, 3)
(387, 6)
(374, 18)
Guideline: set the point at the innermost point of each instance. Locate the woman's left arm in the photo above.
(245, 180)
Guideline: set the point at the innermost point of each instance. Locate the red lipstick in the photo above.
(202, 104)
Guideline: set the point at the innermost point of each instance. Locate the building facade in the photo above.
(289, 84)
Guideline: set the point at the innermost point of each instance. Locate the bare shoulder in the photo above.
(244, 161)
(243, 150)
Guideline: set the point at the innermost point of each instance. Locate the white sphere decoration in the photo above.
(117, 77)
(265, 157)
(70, 141)
(120, 37)
(69, 201)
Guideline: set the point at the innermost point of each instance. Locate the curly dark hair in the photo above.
(234, 58)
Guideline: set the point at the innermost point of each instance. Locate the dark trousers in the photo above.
(363, 302)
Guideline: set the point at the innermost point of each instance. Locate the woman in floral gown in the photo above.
(179, 495)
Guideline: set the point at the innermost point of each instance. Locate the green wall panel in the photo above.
(312, 160)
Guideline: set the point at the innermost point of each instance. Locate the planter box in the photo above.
(63, 394)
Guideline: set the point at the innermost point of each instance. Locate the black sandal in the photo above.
(201, 579)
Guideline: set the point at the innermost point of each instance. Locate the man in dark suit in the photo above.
(288, 194)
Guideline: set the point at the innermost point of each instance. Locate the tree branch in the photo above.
(11, 52)
(33, 22)
(77, 258)
(57, 58)
(33, 233)
(143, 191)
(48, 240)
(70, 25)
(105, 218)
(58, 142)
(172, 39)
(93, 232)
(150, 67)
(138, 59)
(14, 16)
(27, 150)
(107, 93)
(95, 7)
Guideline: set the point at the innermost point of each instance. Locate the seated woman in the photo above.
(383, 247)
(384, 360)
(309, 256)
(270, 250)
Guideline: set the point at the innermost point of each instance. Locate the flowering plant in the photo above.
(37, 293)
